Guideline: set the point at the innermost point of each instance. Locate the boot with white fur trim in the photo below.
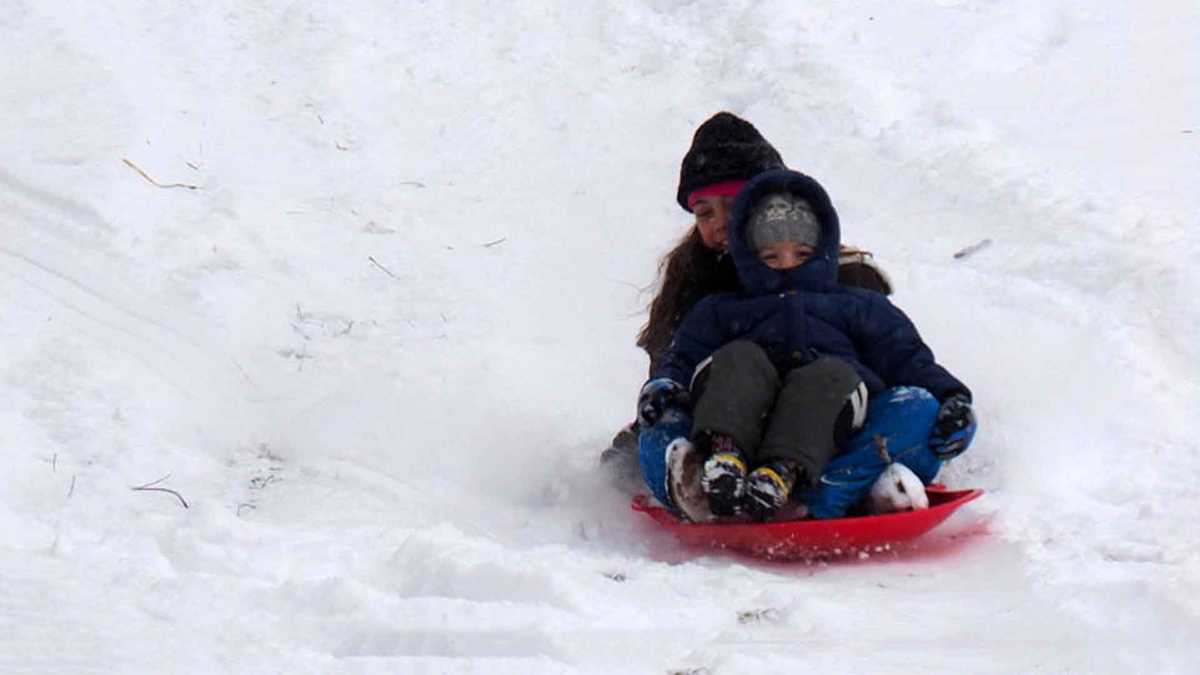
(685, 465)
(898, 489)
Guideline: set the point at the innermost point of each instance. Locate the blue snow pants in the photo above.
(652, 453)
(900, 418)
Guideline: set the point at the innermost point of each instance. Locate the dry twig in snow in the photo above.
(149, 487)
(973, 248)
(153, 182)
(376, 263)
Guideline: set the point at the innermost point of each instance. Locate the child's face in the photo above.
(784, 255)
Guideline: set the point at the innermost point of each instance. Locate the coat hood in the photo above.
(819, 271)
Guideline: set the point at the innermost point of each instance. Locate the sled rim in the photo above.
(947, 498)
(808, 538)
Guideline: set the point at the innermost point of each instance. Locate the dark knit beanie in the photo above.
(726, 147)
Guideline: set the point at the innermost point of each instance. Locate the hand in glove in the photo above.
(660, 397)
(954, 427)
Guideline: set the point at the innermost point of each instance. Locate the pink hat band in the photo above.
(727, 188)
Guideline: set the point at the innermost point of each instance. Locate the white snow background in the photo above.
(380, 345)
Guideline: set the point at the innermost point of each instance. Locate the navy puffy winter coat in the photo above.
(799, 314)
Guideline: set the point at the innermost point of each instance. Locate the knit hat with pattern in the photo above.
(782, 217)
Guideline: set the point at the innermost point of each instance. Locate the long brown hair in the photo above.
(687, 273)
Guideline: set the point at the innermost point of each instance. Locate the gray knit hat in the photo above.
(782, 217)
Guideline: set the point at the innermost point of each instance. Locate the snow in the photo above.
(379, 347)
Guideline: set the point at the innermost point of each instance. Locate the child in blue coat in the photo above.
(777, 379)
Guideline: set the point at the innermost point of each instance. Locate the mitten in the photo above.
(660, 397)
(953, 428)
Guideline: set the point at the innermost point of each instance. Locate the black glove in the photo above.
(954, 427)
(659, 397)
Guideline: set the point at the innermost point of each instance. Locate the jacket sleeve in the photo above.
(892, 347)
(698, 336)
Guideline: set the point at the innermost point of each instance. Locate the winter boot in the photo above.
(684, 468)
(769, 486)
(724, 477)
(898, 489)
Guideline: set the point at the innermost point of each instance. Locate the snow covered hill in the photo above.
(358, 283)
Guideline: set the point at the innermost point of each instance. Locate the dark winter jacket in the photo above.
(799, 314)
(714, 272)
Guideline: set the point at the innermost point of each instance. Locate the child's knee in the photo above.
(743, 357)
(915, 401)
(903, 417)
(829, 367)
(835, 380)
(827, 377)
(741, 351)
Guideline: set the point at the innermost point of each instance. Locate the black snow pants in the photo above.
(801, 416)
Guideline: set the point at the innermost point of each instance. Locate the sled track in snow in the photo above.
(40, 262)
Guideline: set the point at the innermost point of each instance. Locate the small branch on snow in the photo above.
(72, 490)
(769, 615)
(260, 482)
(376, 263)
(490, 244)
(155, 183)
(973, 248)
(167, 490)
(149, 487)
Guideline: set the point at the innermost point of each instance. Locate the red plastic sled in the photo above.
(805, 539)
